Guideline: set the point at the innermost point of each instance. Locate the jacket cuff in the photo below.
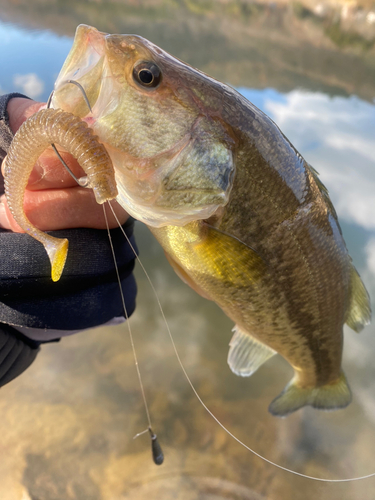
(6, 135)
(16, 353)
(4, 100)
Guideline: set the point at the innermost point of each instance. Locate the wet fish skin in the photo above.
(242, 217)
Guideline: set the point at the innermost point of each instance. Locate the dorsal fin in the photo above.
(358, 314)
(324, 192)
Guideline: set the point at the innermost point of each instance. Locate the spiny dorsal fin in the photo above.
(358, 314)
(246, 354)
(324, 192)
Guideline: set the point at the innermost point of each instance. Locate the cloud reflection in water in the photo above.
(336, 135)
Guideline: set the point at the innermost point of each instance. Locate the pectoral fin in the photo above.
(210, 260)
(358, 314)
(331, 396)
(246, 354)
(228, 259)
(184, 276)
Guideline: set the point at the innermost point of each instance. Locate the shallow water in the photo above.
(68, 423)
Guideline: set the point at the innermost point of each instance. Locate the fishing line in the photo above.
(127, 320)
(285, 469)
(157, 453)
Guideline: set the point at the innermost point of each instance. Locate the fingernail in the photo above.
(4, 221)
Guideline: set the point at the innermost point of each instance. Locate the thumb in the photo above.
(20, 109)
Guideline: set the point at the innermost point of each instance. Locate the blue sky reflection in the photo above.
(31, 59)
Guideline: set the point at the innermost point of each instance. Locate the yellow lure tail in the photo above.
(57, 250)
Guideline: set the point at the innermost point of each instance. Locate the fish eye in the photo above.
(147, 74)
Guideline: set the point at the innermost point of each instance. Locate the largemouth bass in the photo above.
(242, 217)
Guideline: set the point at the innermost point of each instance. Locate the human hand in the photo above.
(53, 200)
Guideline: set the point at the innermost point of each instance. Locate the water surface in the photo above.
(67, 424)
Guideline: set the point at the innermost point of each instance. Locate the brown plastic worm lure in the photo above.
(42, 129)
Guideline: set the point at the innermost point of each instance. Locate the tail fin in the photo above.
(331, 396)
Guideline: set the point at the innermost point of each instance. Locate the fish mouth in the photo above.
(87, 49)
(83, 65)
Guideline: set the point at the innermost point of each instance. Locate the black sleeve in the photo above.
(87, 294)
(17, 352)
(6, 134)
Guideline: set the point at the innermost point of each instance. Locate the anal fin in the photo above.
(331, 396)
(246, 354)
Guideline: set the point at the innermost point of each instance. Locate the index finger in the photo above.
(48, 173)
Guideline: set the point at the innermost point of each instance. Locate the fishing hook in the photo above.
(82, 181)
